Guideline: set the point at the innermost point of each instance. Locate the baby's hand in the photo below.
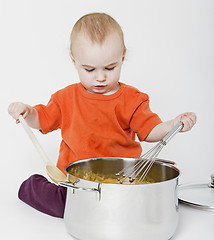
(17, 108)
(188, 119)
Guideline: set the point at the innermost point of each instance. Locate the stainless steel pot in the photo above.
(106, 211)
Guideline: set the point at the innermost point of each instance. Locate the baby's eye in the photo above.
(89, 70)
(110, 68)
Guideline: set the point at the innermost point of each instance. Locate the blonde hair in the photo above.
(97, 26)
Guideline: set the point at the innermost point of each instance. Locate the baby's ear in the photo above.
(124, 55)
(72, 58)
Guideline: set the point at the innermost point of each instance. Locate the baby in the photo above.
(98, 117)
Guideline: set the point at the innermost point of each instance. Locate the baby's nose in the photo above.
(100, 76)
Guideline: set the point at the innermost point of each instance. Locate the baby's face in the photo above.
(98, 65)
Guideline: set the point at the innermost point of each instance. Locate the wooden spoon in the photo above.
(53, 172)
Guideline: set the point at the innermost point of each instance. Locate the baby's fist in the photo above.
(188, 119)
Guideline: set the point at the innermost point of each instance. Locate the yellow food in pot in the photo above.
(105, 178)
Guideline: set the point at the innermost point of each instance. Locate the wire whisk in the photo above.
(140, 169)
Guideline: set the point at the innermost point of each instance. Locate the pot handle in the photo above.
(71, 185)
(165, 161)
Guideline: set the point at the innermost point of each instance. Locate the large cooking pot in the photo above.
(114, 211)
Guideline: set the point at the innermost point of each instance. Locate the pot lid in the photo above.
(198, 195)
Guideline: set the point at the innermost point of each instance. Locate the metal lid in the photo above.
(198, 195)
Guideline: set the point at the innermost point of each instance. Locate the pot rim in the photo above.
(123, 158)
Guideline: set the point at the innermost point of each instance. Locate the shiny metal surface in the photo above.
(198, 195)
(123, 211)
(212, 181)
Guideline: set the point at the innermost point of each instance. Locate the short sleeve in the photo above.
(144, 120)
(49, 116)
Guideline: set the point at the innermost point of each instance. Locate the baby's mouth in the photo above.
(100, 86)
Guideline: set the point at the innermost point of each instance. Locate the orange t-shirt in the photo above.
(97, 125)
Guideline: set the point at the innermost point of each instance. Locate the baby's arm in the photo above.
(29, 113)
(188, 119)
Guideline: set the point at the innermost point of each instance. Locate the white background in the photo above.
(170, 56)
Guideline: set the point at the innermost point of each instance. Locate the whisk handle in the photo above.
(172, 133)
